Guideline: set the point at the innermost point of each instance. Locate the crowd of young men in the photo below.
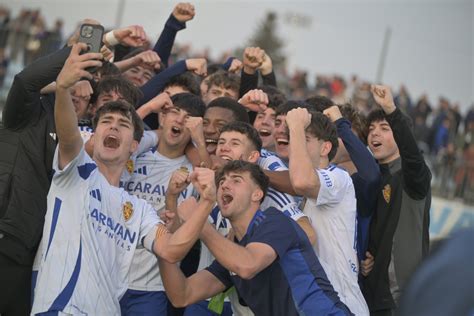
(233, 200)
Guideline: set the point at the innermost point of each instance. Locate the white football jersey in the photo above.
(333, 216)
(279, 200)
(89, 238)
(149, 181)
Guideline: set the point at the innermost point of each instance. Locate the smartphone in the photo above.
(91, 34)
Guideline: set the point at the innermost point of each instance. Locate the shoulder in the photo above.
(270, 161)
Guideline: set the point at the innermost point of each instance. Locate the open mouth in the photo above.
(112, 142)
(376, 144)
(226, 199)
(176, 131)
(282, 141)
(264, 132)
(211, 145)
(225, 157)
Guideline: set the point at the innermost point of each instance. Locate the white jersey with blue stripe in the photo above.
(89, 238)
(284, 202)
(149, 181)
(333, 217)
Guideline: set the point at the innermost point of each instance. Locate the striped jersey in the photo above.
(284, 202)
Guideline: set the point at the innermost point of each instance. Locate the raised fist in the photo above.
(383, 96)
(184, 12)
(255, 100)
(298, 117)
(253, 59)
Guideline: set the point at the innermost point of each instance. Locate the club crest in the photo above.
(127, 210)
(130, 166)
(387, 191)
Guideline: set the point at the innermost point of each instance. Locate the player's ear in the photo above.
(253, 156)
(257, 195)
(325, 148)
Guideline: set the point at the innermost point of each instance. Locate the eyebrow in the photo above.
(235, 176)
(122, 118)
(232, 139)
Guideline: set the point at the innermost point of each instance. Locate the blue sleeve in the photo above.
(228, 63)
(221, 273)
(367, 179)
(156, 84)
(165, 42)
(276, 230)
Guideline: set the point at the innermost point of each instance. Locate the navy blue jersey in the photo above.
(295, 283)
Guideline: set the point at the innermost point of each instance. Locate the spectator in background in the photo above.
(422, 108)
(3, 66)
(53, 39)
(441, 136)
(4, 20)
(35, 35)
(403, 101)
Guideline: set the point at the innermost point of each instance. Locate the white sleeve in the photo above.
(332, 187)
(148, 141)
(77, 170)
(272, 163)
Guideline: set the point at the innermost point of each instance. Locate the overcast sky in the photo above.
(431, 47)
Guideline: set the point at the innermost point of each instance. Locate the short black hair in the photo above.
(246, 129)
(224, 79)
(126, 110)
(322, 128)
(239, 111)
(124, 87)
(108, 69)
(286, 107)
(240, 166)
(188, 81)
(376, 115)
(189, 102)
(213, 68)
(319, 103)
(275, 96)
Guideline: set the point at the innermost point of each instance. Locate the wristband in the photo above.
(111, 39)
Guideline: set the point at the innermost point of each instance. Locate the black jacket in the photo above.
(399, 236)
(27, 142)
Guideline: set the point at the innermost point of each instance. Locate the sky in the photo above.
(430, 48)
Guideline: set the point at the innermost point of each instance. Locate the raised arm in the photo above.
(246, 262)
(280, 180)
(70, 140)
(302, 174)
(184, 291)
(266, 70)
(252, 60)
(182, 13)
(173, 247)
(416, 174)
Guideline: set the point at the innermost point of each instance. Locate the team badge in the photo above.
(127, 210)
(130, 166)
(387, 191)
